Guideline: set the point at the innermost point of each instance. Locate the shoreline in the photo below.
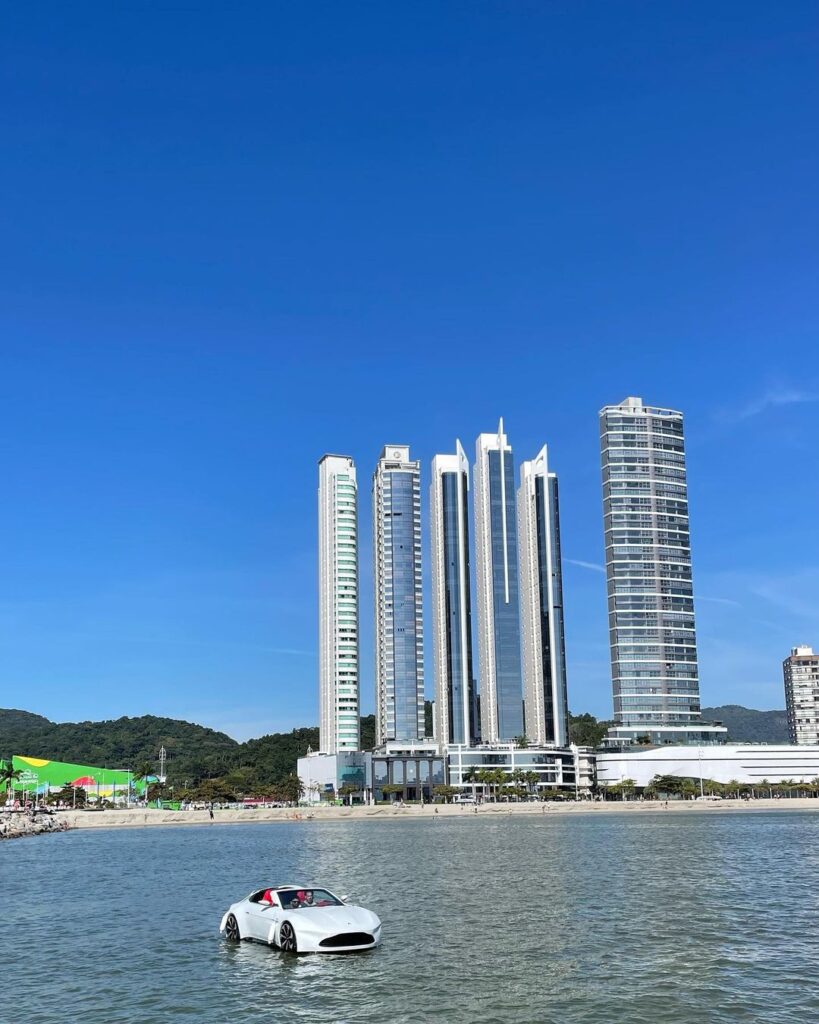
(152, 817)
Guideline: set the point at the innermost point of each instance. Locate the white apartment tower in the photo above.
(455, 698)
(801, 672)
(338, 605)
(655, 679)
(496, 561)
(399, 629)
(541, 605)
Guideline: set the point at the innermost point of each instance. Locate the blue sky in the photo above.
(236, 237)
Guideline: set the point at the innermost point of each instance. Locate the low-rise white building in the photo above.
(740, 762)
(325, 775)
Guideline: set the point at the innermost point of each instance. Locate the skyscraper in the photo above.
(338, 605)
(541, 605)
(399, 630)
(455, 698)
(801, 672)
(496, 557)
(655, 680)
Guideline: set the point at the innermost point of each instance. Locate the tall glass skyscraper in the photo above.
(455, 697)
(496, 556)
(338, 605)
(399, 629)
(541, 605)
(655, 678)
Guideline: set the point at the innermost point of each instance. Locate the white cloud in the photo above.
(774, 398)
(718, 600)
(594, 566)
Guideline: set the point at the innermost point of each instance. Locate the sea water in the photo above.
(599, 918)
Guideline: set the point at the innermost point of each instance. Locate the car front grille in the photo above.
(347, 939)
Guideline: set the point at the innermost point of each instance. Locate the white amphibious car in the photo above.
(299, 919)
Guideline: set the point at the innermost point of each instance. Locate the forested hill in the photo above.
(123, 742)
(745, 725)
(194, 752)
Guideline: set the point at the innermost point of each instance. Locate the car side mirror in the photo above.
(344, 898)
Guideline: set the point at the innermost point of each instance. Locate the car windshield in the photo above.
(298, 899)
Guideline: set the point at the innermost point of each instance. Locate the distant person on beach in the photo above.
(210, 810)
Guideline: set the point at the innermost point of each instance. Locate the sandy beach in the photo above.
(138, 818)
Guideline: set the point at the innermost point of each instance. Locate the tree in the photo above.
(347, 791)
(143, 773)
(73, 795)
(391, 789)
(624, 789)
(292, 788)
(522, 742)
(586, 731)
(667, 784)
(445, 792)
(471, 777)
(8, 776)
(531, 779)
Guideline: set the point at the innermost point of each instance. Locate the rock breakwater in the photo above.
(16, 825)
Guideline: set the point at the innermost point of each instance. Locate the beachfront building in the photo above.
(399, 632)
(346, 775)
(655, 679)
(747, 763)
(546, 709)
(338, 605)
(410, 771)
(496, 558)
(455, 714)
(801, 671)
(570, 769)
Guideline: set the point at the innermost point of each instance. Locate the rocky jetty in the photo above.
(16, 825)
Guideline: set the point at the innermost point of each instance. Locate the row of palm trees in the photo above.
(497, 782)
(688, 788)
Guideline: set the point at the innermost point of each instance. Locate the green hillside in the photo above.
(745, 725)
(195, 753)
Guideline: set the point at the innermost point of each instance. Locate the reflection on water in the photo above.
(590, 918)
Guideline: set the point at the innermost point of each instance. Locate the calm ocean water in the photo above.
(594, 919)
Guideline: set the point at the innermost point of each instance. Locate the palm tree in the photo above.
(8, 776)
(142, 774)
(472, 777)
(531, 779)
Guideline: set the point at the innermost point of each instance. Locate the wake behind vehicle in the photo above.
(301, 919)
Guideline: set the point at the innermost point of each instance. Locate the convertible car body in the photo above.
(301, 919)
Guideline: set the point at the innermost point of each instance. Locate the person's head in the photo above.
(308, 897)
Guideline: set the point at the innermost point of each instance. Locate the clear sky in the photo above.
(235, 237)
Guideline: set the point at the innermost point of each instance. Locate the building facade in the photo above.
(412, 771)
(338, 605)
(569, 768)
(655, 678)
(399, 631)
(801, 671)
(496, 558)
(546, 708)
(346, 775)
(732, 762)
(455, 711)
